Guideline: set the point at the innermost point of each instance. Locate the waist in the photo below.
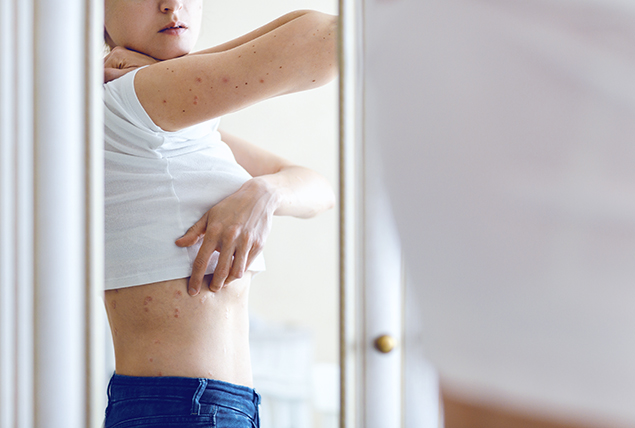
(160, 330)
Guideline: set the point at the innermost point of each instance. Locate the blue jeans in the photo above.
(179, 402)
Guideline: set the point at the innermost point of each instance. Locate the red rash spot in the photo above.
(195, 102)
(147, 300)
(199, 80)
(236, 87)
(165, 101)
(150, 360)
(179, 293)
(176, 313)
(183, 111)
(262, 81)
(225, 80)
(146, 309)
(160, 373)
(245, 83)
(156, 342)
(314, 80)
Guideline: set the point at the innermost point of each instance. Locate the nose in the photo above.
(170, 5)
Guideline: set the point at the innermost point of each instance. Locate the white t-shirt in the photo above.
(158, 184)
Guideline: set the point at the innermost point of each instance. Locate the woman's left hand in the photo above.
(121, 61)
(237, 227)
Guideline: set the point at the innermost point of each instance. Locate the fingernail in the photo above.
(192, 291)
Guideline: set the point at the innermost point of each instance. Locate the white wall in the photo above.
(300, 286)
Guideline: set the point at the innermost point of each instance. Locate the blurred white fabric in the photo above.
(508, 134)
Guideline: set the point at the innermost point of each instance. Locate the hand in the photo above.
(237, 228)
(121, 61)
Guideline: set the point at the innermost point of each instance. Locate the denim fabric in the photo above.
(175, 402)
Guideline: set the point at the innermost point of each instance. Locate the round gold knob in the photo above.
(385, 343)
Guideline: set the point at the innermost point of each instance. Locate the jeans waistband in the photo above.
(201, 391)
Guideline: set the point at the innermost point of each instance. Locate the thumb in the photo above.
(193, 234)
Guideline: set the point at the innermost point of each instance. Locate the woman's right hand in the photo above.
(121, 61)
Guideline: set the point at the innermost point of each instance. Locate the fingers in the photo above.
(194, 233)
(222, 269)
(200, 266)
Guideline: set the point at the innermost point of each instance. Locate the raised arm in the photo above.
(238, 226)
(294, 53)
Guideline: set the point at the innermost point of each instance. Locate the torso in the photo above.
(160, 330)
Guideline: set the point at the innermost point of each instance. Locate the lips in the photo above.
(174, 27)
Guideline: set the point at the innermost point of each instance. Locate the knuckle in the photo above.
(200, 264)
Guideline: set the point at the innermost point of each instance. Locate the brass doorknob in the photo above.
(385, 343)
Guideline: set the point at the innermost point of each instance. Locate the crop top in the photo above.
(157, 185)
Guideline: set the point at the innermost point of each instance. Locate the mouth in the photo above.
(174, 26)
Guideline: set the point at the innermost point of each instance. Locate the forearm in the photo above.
(295, 191)
(285, 19)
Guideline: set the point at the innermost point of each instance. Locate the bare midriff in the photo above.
(160, 330)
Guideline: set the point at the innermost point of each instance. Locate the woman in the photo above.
(180, 333)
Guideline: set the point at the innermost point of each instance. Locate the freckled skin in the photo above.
(155, 321)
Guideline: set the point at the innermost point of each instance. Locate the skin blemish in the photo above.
(195, 103)
(236, 87)
(280, 66)
(157, 341)
(116, 290)
(313, 80)
(262, 81)
(245, 83)
(178, 294)
(147, 300)
(165, 101)
(176, 312)
(199, 80)
(225, 80)
(114, 304)
(183, 111)
(116, 332)
(150, 359)
(146, 309)
(160, 374)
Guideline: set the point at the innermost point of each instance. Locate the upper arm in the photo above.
(298, 55)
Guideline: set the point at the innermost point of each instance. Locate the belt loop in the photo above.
(109, 390)
(196, 404)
